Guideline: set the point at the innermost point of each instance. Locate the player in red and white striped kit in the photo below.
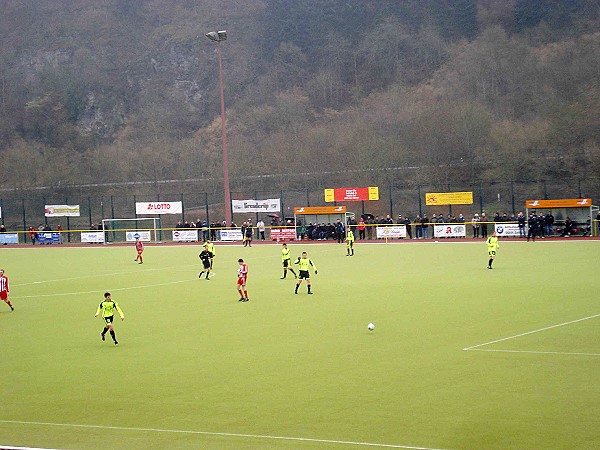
(139, 246)
(4, 289)
(241, 282)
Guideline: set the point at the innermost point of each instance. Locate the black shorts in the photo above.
(206, 264)
(304, 274)
(108, 320)
(286, 263)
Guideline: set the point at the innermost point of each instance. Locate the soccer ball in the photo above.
(371, 326)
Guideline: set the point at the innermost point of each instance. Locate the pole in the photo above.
(24, 216)
(226, 192)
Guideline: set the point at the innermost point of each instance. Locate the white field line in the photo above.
(104, 290)
(534, 352)
(96, 275)
(212, 433)
(476, 347)
(9, 447)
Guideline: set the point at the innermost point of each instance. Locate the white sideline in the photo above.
(211, 433)
(104, 290)
(476, 347)
(9, 447)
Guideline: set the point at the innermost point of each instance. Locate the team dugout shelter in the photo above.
(319, 214)
(579, 210)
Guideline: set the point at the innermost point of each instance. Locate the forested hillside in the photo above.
(127, 90)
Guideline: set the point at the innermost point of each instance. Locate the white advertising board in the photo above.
(507, 229)
(158, 207)
(231, 235)
(61, 210)
(144, 235)
(256, 206)
(92, 237)
(185, 235)
(391, 232)
(449, 230)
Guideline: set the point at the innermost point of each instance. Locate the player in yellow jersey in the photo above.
(492, 243)
(286, 260)
(211, 248)
(350, 243)
(108, 307)
(304, 264)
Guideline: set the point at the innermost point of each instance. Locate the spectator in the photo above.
(179, 225)
(542, 225)
(568, 227)
(340, 231)
(497, 217)
(59, 228)
(260, 226)
(476, 225)
(521, 221)
(549, 224)
(484, 227)
(533, 225)
(406, 222)
(418, 229)
(598, 224)
(361, 229)
(425, 226)
(205, 230)
(32, 235)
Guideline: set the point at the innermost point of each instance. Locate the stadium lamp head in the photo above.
(212, 36)
(217, 36)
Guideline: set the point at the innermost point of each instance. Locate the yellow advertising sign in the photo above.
(373, 193)
(330, 195)
(449, 198)
(320, 210)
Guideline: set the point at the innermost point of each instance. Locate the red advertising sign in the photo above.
(281, 234)
(352, 194)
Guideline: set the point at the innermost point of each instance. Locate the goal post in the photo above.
(148, 229)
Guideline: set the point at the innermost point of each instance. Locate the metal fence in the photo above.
(25, 209)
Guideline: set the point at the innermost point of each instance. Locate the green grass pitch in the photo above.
(195, 368)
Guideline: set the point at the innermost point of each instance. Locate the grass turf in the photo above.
(192, 358)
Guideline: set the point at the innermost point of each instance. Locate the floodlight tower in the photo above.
(218, 37)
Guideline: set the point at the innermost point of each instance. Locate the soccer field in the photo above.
(461, 357)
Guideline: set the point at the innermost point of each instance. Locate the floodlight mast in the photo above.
(218, 37)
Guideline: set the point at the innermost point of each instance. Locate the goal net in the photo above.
(147, 229)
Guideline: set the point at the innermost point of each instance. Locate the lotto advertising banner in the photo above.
(449, 198)
(158, 207)
(231, 235)
(280, 234)
(559, 203)
(92, 237)
(442, 231)
(256, 206)
(143, 235)
(352, 194)
(394, 232)
(185, 235)
(507, 229)
(61, 210)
